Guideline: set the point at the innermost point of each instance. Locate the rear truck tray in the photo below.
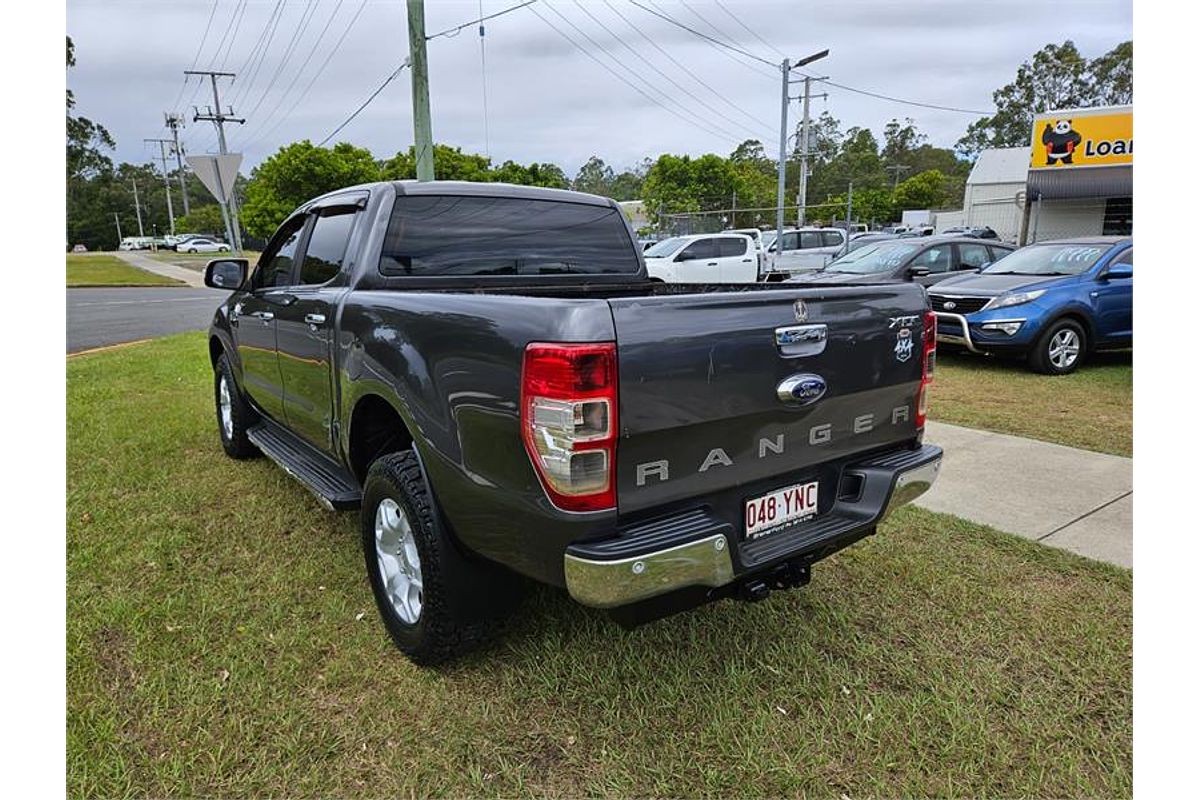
(698, 548)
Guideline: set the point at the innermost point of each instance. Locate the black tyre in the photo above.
(434, 602)
(234, 414)
(1060, 349)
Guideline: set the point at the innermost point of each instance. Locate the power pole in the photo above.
(162, 153)
(805, 148)
(786, 69)
(219, 118)
(896, 169)
(117, 219)
(137, 206)
(175, 122)
(422, 127)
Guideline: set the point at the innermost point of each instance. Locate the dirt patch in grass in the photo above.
(935, 658)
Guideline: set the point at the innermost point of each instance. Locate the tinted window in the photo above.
(275, 268)
(729, 246)
(791, 241)
(701, 248)
(831, 238)
(935, 259)
(326, 247)
(810, 239)
(449, 235)
(666, 247)
(972, 256)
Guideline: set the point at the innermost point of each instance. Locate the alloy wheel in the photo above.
(399, 561)
(1064, 348)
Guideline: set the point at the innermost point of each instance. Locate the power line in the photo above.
(366, 103)
(308, 87)
(748, 29)
(233, 39)
(204, 37)
(306, 16)
(682, 66)
(258, 54)
(908, 102)
(312, 51)
(718, 42)
(225, 36)
(450, 33)
(724, 36)
(672, 81)
(618, 75)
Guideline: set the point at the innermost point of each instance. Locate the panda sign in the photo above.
(1083, 137)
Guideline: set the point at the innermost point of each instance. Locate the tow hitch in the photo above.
(791, 575)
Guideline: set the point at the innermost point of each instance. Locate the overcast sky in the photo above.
(547, 99)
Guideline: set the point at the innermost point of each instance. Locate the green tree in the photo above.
(900, 140)
(924, 190)
(203, 219)
(449, 164)
(1057, 76)
(594, 177)
(297, 173)
(626, 186)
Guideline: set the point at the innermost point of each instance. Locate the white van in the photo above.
(804, 250)
(704, 258)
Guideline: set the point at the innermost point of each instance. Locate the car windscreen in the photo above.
(666, 248)
(447, 235)
(1049, 259)
(874, 259)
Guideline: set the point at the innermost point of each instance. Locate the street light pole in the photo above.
(786, 68)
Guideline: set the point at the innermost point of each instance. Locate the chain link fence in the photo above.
(687, 223)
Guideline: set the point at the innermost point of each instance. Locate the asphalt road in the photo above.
(99, 317)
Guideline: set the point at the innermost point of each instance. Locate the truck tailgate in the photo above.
(700, 377)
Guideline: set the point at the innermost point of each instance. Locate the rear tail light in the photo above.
(928, 361)
(569, 422)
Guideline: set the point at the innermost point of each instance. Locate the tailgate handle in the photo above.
(796, 341)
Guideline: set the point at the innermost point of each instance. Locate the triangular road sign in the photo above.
(217, 173)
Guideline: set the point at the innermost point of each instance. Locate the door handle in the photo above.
(711, 264)
(280, 299)
(314, 319)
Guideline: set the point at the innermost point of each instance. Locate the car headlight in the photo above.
(1013, 299)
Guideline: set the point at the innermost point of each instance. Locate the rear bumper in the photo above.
(697, 549)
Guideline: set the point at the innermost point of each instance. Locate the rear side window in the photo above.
(810, 240)
(935, 259)
(791, 241)
(326, 246)
(1125, 258)
(831, 238)
(972, 256)
(701, 248)
(445, 235)
(999, 252)
(729, 246)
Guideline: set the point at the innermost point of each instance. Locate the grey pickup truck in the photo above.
(488, 374)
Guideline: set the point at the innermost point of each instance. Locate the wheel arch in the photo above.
(376, 427)
(1074, 315)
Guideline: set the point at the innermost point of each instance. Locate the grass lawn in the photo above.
(1091, 408)
(196, 261)
(101, 270)
(222, 641)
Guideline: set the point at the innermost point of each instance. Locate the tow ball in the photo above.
(791, 575)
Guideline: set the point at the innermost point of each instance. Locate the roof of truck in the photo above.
(473, 189)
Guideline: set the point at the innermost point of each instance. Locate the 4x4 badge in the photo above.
(801, 311)
(904, 344)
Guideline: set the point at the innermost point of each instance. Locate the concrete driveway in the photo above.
(1060, 496)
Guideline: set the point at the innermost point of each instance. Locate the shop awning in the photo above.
(1055, 184)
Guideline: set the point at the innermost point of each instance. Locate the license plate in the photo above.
(782, 507)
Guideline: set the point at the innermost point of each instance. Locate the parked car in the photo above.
(704, 258)
(984, 232)
(135, 243)
(757, 235)
(803, 250)
(926, 261)
(79, 248)
(531, 403)
(1052, 303)
(859, 241)
(203, 246)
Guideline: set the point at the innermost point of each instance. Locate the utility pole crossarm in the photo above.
(218, 118)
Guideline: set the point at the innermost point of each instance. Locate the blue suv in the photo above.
(1051, 302)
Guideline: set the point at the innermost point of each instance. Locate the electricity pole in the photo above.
(162, 153)
(219, 118)
(117, 219)
(786, 69)
(805, 147)
(422, 127)
(175, 122)
(896, 169)
(137, 206)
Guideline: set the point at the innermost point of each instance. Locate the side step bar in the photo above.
(334, 487)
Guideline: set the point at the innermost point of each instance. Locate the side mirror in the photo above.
(1119, 271)
(226, 273)
(917, 272)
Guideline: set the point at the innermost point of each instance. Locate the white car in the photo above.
(203, 246)
(805, 250)
(704, 258)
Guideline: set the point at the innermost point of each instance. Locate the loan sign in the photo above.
(1085, 137)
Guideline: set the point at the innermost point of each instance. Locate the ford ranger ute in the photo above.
(487, 372)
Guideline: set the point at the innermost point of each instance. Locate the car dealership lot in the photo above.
(220, 641)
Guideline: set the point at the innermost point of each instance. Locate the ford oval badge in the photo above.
(804, 388)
